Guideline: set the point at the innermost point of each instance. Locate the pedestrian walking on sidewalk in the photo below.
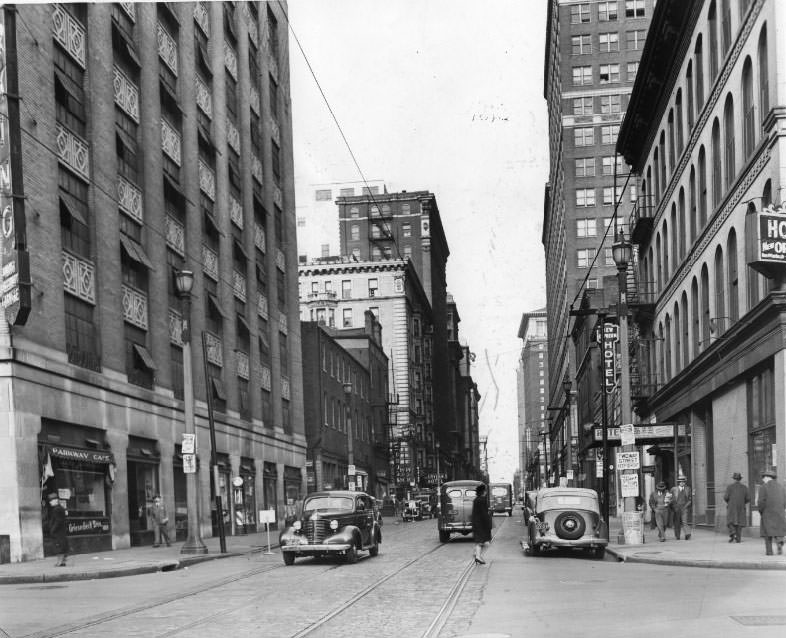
(736, 497)
(160, 521)
(659, 504)
(481, 523)
(772, 507)
(58, 531)
(680, 504)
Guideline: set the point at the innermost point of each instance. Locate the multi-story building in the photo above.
(153, 138)
(591, 58)
(317, 217)
(532, 375)
(342, 292)
(346, 373)
(704, 135)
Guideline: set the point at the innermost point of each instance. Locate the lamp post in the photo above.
(439, 476)
(350, 450)
(566, 425)
(184, 282)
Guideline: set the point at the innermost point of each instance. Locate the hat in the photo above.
(661, 486)
(681, 479)
(737, 476)
(51, 496)
(770, 473)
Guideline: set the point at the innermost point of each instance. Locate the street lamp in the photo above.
(184, 282)
(350, 450)
(439, 476)
(566, 424)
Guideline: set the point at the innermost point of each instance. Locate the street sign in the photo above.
(627, 434)
(189, 444)
(351, 470)
(189, 463)
(267, 516)
(627, 460)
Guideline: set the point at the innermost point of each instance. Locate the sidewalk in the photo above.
(706, 548)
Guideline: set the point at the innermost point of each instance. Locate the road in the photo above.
(416, 587)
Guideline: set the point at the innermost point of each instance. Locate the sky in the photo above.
(444, 96)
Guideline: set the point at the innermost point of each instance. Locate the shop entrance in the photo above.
(143, 462)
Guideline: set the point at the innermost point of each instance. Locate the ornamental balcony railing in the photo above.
(69, 33)
(215, 349)
(129, 199)
(135, 307)
(79, 277)
(73, 151)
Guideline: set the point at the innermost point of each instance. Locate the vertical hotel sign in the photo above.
(14, 258)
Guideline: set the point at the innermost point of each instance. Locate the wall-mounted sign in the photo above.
(765, 233)
(627, 460)
(610, 338)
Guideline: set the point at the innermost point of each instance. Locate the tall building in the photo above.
(152, 139)
(591, 59)
(533, 374)
(704, 135)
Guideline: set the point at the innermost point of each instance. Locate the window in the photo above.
(699, 58)
(632, 69)
(373, 286)
(592, 282)
(581, 44)
(579, 13)
(582, 75)
(585, 167)
(607, 11)
(346, 289)
(728, 140)
(608, 134)
(748, 115)
(610, 103)
(609, 73)
(635, 39)
(354, 212)
(608, 165)
(678, 116)
(717, 182)
(634, 8)
(406, 230)
(356, 254)
(81, 334)
(610, 196)
(346, 192)
(725, 26)
(585, 227)
(347, 317)
(690, 106)
(712, 25)
(585, 197)
(582, 106)
(609, 42)
(354, 232)
(764, 77)
(376, 231)
(608, 257)
(584, 136)
(731, 255)
(584, 257)
(324, 195)
(325, 250)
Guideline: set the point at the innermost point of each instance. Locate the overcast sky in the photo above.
(444, 96)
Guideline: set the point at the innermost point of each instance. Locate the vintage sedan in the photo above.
(566, 517)
(333, 523)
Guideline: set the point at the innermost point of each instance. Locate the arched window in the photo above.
(753, 277)
(704, 291)
(685, 326)
(656, 190)
(720, 293)
(666, 270)
(698, 56)
(693, 211)
(690, 106)
(675, 252)
(683, 236)
(662, 147)
(678, 117)
(649, 282)
(748, 114)
(667, 346)
(677, 339)
(728, 140)
(717, 181)
(661, 348)
(702, 188)
(731, 271)
(653, 193)
(712, 25)
(764, 76)
(658, 263)
(694, 308)
(766, 194)
(725, 27)
(670, 126)
(744, 6)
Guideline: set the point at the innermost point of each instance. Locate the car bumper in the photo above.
(316, 549)
(561, 542)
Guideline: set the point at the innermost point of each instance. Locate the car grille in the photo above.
(316, 531)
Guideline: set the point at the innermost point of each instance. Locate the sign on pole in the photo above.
(351, 470)
(189, 444)
(267, 517)
(627, 460)
(630, 484)
(189, 463)
(627, 434)
(599, 468)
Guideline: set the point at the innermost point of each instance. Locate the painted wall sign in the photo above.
(78, 454)
(87, 526)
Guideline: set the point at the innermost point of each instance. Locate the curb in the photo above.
(696, 562)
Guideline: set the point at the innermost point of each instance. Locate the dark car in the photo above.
(333, 523)
(501, 499)
(566, 517)
(455, 512)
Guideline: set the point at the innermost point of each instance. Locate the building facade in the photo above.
(704, 135)
(154, 138)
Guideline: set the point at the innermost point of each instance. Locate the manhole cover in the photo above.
(760, 621)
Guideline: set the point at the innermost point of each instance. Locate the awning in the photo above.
(218, 389)
(67, 202)
(216, 305)
(173, 186)
(124, 43)
(135, 252)
(645, 434)
(80, 454)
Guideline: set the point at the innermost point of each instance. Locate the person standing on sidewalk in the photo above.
(659, 504)
(772, 506)
(736, 498)
(160, 521)
(57, 529)
(680, 504)
(481, 523)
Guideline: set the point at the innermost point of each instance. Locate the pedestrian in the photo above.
(58, 531)
(481, 523)
(160, 520)
(736, 498)
(659, 504)
(680, 504)
(772, 506)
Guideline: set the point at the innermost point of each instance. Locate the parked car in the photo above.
(428, 502)
(413, 510)
(566, 517)
(333, 523)
(455, 504)
(501, 499)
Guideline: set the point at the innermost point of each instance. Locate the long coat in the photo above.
(481, 520)
(771, 504)
(57, 528)
(736, 498)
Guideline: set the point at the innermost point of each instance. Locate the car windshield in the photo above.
(458, 493)
(328, 503)
(567, 500)
(499, 491)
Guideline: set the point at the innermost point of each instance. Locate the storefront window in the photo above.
(293, 497)
(761, 425)
(270, 486)
(249, 503)
(224, 485)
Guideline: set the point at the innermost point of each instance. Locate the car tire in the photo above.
(374, 549)
(570, 526)
(351, 557)
(444, 537)
(289, 558)
(599, 553)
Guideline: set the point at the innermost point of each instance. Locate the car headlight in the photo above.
(296, 526)
(334, 524)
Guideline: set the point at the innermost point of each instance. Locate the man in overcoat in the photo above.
(659, 503)
(57, 529)
(736, 498)
(772, 507)
(680, 503)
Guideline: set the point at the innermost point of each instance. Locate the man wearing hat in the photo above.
(57, 528)
(736, 498)
(772, 507)
(659, 504)
(680, 502)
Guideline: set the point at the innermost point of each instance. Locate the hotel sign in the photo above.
(765, 231)
(610, 338)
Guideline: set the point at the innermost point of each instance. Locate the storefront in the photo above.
(223, 489)
(181, 496)
(270, 488)
(293, 491)
(77, 466)
(143, 460)
(244, 498)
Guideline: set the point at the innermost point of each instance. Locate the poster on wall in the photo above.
(629, 484)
